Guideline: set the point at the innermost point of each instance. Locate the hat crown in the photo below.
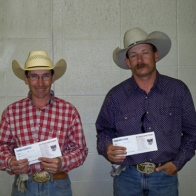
(134, 36)
(38, 59)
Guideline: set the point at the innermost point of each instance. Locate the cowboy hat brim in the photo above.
(160, 40)
(59, 69)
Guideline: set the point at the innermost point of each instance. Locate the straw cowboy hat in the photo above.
(39, 60)
(137, 36)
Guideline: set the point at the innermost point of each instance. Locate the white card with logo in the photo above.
(48, 148)
(139, 143)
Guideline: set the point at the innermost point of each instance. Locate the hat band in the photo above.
(135, 43)
(38, 66)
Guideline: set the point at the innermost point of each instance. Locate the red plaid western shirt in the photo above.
(23, 123)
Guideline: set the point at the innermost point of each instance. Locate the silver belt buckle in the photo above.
(41, 177)
(146, 168)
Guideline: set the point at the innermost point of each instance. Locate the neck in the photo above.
(146, 82)
(41, 102)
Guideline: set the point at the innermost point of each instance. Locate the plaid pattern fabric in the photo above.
(23, 123)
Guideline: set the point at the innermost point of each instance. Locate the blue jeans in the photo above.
(133, 183)
(50, 188)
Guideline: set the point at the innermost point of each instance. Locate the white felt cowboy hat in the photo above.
(137, 36)
(39, 60)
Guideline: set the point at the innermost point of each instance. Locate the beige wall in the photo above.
(85, 33)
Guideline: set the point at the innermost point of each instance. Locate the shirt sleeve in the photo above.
(76, 150)
(105, 126)
(6, 142)
(188, 140)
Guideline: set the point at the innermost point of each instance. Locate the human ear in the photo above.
(53, 78)
(156, 56)
(26, 80)
(128, 63)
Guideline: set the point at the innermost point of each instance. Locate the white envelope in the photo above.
(48, 148)
(138, 143)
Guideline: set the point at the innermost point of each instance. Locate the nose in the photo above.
(139, 58)
(40, 81)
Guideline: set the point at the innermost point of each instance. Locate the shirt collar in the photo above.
(52, 98)
(157, 84)
(132, 84)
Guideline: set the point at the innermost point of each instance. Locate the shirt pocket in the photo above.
(126, 123)
(58, 132)
(55, 132)
(170, 120)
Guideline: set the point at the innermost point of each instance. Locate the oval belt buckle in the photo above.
(41, 177)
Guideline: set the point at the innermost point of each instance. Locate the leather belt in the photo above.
(59, 176)
(147, 167)
(42, 177)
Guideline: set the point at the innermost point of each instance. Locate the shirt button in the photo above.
(149, 128)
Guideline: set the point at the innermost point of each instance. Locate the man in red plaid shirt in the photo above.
(39, 117)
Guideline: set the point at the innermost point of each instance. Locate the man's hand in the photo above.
(113, 153)
(51, 165)
(19, 167)
(169, 168)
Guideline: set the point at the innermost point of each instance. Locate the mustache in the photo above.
(140, 65)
